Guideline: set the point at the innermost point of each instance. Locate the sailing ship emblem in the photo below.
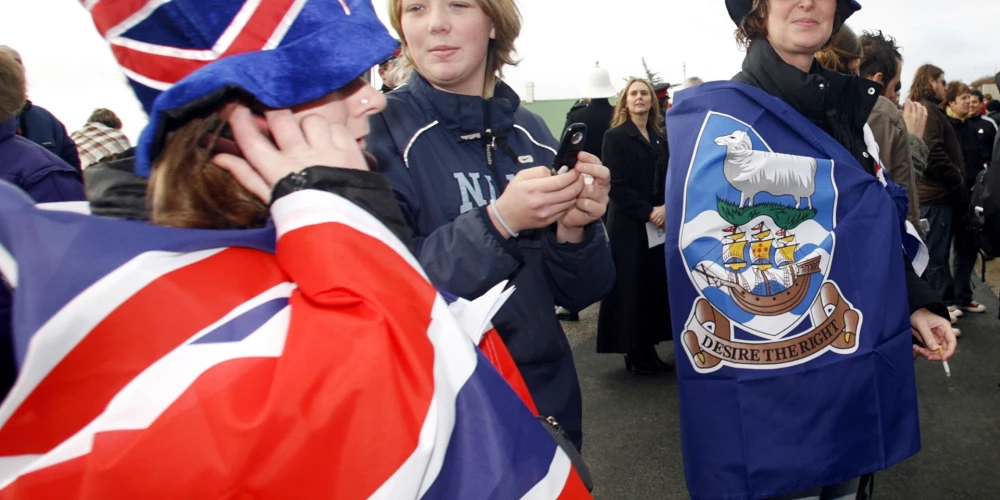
(758, 248)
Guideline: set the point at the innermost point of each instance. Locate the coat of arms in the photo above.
(758, 248)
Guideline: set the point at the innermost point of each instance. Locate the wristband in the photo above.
(501, 221)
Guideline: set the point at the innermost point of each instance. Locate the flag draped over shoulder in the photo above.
(309, 360)
(787, 290)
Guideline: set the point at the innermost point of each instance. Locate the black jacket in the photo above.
(38, 125)
(632, 316)
(114, 190)
(840, 105)
(597, 117)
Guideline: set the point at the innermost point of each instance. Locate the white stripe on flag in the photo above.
(311, 207)
(140, 16)
(71, 324)
(454, 362)
(8, 267)
(154, 390)
(552, 485)
(285, 24)
(78, 207)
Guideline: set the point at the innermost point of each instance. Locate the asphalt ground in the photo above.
(632, 434)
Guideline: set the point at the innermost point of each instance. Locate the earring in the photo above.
(364, 101)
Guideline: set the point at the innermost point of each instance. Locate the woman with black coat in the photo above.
(634, 317)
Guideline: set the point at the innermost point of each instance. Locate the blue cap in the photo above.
(184, 55)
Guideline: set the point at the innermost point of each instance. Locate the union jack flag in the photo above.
(158, 58)
(309, 360)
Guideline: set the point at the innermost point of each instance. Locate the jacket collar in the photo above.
(633, 131)
(812, 93)
(466, 114)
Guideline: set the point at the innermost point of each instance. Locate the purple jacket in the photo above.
(36, 170)
(46, 178)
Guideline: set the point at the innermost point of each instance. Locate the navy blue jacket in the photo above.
(41, 127)
(45, 178)
(428, 143)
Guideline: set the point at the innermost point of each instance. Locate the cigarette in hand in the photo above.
(947, 369)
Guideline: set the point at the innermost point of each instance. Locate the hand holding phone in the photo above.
(573, 140)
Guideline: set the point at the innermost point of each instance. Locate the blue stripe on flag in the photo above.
(243, 325)
(73, 251)
(498, 449)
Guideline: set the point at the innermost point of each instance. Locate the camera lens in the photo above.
(577, 137)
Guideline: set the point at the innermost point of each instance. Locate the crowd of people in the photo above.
(445, 169)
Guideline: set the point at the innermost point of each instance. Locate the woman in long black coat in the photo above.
(635, 316)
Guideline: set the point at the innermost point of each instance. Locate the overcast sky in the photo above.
(71, 70)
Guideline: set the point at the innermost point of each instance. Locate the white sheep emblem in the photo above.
(753, 172)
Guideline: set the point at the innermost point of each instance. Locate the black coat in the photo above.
(597, 117)
(840, 105)
(635, 313)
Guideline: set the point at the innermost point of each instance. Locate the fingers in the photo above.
(256, 147)
(948, 343)
(600, 173)
(244, 174)
(284, 129)
(585, 157)
(555, 183)
(316, 132)
(533, 173)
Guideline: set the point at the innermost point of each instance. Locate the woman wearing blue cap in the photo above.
(796, 318)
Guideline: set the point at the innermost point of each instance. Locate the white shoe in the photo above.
(957, 332)
(955, 310)
(953, 316)
(973, 307)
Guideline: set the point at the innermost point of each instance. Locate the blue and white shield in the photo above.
(757, 246)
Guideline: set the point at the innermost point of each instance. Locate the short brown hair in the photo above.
(105, 117)
(921, 88)
(187, 190)
(620, 115)
(753, 26)
(843, 49)
(506, 19)
(11, 87)
(954, 90)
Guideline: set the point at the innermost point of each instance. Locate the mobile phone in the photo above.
(224, 142)
(573, 140)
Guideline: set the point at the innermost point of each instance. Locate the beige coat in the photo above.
(893, 141)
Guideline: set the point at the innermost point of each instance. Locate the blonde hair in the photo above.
(506, 19)
(621, 115)
(11, 87)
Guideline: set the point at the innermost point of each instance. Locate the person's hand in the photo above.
(915, 117)
(658, 216)
(535, 198)
(592, 203)
(297, 145)
(935, 332)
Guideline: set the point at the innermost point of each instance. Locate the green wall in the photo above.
(553, 112)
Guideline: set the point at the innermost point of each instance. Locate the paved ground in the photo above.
(632, 439)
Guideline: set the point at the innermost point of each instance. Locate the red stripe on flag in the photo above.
(147, 326)
(160, 68)
(496, 352)
(334, 417)
(110, 13)
(262, 24)
(574, 489)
